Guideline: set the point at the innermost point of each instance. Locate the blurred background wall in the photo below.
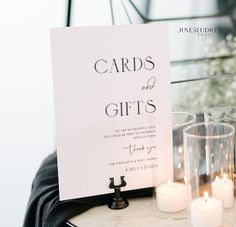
(26, 98)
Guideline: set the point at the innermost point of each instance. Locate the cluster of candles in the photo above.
(205, 211)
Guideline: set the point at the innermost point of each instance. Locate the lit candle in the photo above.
(171, 197)
(179, 166)
(180, 150)
(206, 212)
(224, 189)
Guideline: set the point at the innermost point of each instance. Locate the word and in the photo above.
(150, 84)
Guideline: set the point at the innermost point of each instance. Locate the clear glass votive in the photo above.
(226, 114)
(180, 120)
(170, 196)
(209, 168)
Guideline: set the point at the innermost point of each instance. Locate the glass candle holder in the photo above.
(180, 120)
(209, 162)
(226, 114)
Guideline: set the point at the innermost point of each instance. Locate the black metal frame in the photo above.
(145, 18)
(68, 16)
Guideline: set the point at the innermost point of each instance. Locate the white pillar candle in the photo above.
(171, 197)
(206, 212)
(224, 189)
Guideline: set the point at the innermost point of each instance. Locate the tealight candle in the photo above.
(206, 211)
(224, 189)
(171, 197)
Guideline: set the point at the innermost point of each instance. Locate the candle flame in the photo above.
(217, 179)
(226, 156)
(179, 166)
(180, 150)
(225, 176)
(206, 196)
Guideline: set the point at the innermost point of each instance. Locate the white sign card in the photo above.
(112, 107)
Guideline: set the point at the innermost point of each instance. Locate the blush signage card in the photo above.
(112, 107)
